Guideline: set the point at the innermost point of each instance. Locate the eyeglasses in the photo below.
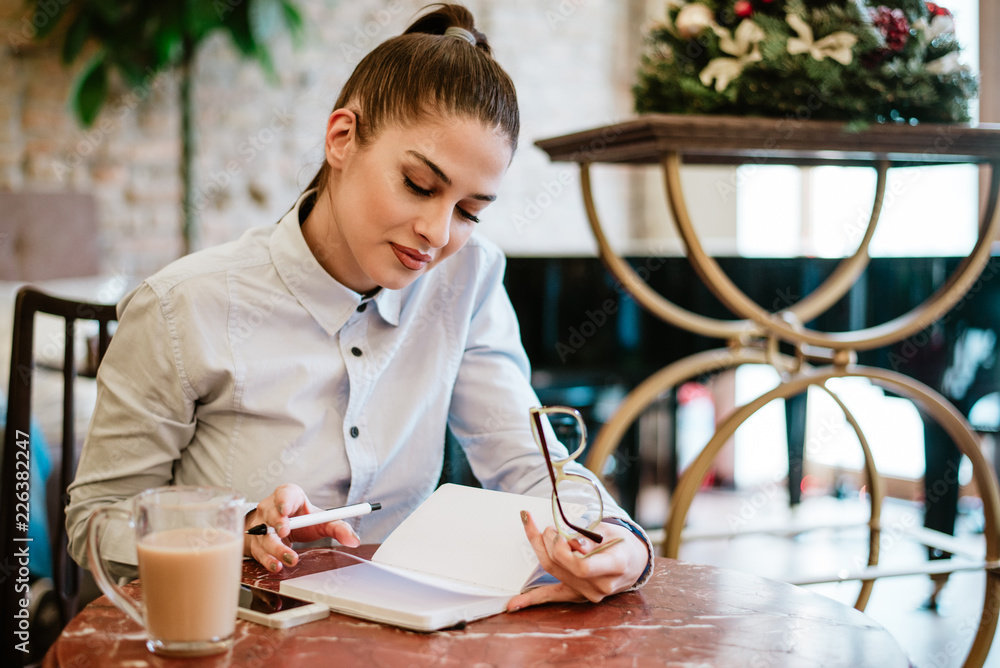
(581, 494)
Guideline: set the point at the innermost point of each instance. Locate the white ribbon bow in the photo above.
(946, 64)
(835, 45)
(743, 44)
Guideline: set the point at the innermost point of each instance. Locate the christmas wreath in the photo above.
(853, 61)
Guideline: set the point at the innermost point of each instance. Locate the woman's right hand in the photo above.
(272, 550)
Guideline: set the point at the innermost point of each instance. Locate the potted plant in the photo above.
(139, 39)
(894, 61)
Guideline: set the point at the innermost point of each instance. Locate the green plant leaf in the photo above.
(238, 24)
(76, 37)
(294, 21)
(90, 89)
(203, 16)
(52, 18)
(109, 10)
(267, 64)
(168, 43)
(132, 70)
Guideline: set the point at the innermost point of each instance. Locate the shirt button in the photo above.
(356, 351)
(354, 432)
(361, 309)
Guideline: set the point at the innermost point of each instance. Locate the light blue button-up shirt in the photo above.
(249, 366)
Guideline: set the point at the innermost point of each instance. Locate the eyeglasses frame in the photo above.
(539, 434)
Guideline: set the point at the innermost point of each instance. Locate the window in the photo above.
(784, 211)
(823, 211)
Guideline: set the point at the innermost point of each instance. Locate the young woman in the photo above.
(317, 362)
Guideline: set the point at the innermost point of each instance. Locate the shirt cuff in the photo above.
(248, 507)
(637, 530)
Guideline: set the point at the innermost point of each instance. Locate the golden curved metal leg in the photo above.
(639, 399)
(875, 496)
(837, 283)
(645, 295)
(850, 269)
(935, 405)
(864, 339)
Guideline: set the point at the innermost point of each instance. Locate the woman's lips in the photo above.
(410, 258)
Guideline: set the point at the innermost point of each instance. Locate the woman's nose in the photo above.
(435, 227)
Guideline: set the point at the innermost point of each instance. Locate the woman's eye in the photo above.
(465, 214)
(413, 187)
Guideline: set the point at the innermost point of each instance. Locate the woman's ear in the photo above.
(341, 135)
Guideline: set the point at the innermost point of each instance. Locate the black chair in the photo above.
(13, 525)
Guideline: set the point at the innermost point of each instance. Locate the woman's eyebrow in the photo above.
(444, 177)
(434, 168)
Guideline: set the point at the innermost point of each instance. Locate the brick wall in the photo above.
(258, 143)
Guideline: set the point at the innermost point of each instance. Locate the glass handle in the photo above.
(98, 568)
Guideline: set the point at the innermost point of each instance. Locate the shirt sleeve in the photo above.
(144, 418)
(489, 411)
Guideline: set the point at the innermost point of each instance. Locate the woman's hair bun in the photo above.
(443, 16)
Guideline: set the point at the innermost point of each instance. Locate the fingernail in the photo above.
(287, 558)
(524, 517)
(281, 509)
(515, 608)
(273, 567)
(278, 527)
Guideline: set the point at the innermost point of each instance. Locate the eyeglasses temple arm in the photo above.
(592, 535)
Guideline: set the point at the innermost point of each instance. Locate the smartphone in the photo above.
(277, 610)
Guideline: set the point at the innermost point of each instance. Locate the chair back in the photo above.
(16, 448)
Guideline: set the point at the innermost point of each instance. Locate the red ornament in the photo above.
(743, 9)
(893, 25)
(937, 10)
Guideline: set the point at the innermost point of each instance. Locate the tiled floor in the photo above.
(932, 639)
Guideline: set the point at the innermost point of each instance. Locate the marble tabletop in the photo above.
(686, 615)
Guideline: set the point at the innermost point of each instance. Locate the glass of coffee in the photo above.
(189, 542)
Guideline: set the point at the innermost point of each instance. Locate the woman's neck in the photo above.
(328, 246)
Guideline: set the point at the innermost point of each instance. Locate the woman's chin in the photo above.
(397, 280)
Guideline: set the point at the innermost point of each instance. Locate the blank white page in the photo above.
(471, 535)
(371, 592)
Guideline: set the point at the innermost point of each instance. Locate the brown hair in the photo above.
(424, 71)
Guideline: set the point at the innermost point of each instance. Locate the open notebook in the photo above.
(461, 555)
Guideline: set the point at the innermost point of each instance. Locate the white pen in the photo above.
(332, 515)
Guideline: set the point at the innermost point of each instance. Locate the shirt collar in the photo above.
(330, 303)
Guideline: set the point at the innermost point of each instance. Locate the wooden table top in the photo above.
(686, 614)
(738, 140)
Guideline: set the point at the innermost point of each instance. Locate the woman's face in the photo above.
(408, 199)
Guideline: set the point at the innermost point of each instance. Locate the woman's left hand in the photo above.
(582, 579)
